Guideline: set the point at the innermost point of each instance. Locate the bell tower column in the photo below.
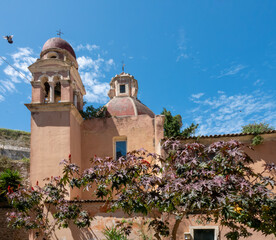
(55, 119)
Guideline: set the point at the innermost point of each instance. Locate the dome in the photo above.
(57, 42)
(127, 106)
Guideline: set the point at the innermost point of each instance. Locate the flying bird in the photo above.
(9, 38)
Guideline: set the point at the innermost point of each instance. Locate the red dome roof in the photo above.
(57, 42)
(127, 106)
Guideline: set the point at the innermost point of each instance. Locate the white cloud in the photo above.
(7, 85)
(182, 46)
(227, 114)
(231, 71)
(182, 55)
(258, 82)
(96, 91)
(89, 47)
(20, 60)
(198, 95)
(92, 71)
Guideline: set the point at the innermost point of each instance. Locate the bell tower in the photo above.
(55, 75)
(57, 97)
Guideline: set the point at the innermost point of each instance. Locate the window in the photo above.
(122, 88)
(121, 148)
(204, 232)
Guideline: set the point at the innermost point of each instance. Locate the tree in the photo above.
(257, 129)
(173, 125)
(212, 182)
(92, 112)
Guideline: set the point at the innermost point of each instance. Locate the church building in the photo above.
(59, 130)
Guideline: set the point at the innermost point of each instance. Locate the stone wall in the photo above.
(14, 152)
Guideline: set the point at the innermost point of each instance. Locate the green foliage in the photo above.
(256, 129)
(257, 140)
(189, 131)
(5, 163)
(9, 181)
(173, 124)
(91, 112)
(26, 160)
(114, 233)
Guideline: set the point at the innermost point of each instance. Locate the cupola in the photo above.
(123, 97)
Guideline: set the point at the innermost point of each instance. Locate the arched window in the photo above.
(57, 92)
(47, 92)
(57, 89)
(45, 85)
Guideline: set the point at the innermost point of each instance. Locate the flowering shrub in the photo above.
(33, 207)
(212, 182)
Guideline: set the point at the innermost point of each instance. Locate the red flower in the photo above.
(145, 162)
(69, 156)
(36, 183)
(32, 189)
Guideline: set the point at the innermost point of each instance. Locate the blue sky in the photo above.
(213, 62)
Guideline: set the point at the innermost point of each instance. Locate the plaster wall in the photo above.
(50, 143)
(75, 149)
(37, 94)
(66, 93)
(103, 219)
(99, 135)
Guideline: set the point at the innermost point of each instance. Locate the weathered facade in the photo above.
(57, 130)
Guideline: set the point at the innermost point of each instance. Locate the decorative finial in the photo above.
(123, 66)
(59, 33)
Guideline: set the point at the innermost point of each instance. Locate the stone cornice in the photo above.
(56, 107)
(51, 65)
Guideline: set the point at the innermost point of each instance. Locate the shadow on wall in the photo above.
(82, 234)
(56, 119)
(261, 154)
